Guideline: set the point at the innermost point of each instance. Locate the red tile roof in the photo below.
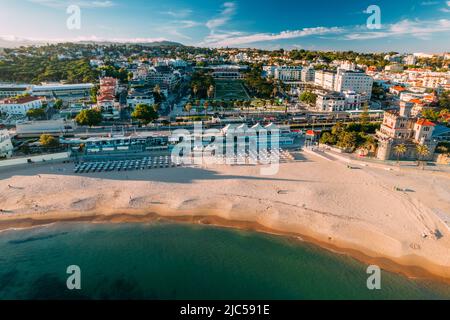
(20, 100)
(416, 101)
(399, 88)
(425, 123)
(312, 132)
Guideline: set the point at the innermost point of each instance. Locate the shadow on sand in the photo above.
(182, 175)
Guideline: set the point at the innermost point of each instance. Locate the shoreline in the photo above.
(412, 272)
(359, 213)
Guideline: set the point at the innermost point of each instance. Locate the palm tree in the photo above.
(422, 152)
(400, 150)
(365, 116)
(206, 106)
(188, 108)
(274, 92)
(195, 90)
(222, 107)
(371, 145)
(156, 107)
(214, 105)
(210, 92)
(247, 104)
(286, 106)
(157, 89)
(443, 149)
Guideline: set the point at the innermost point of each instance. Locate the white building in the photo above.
(164, 76)
(178, 63)
(6, 146)
(136, 99)
(269, 70)
(356, 81)
(423, 55)
(13, 90)
(393, 58)
(63, 91)
(96, 63)
(434, 80)
(330, 102)
(19, 106)
(395, 67)
(346, 65)
(345, 81)
(352, 100)
(410, 60)
(229, 72)
(325, 79)
(308, 74)
(240, 57)
(288, 73)
(37, 128)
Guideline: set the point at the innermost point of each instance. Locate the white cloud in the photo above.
(421, 29)
(228, 10)
(238, 38)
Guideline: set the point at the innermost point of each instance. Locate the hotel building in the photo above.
(356, 81)
(288, 73)
(308, 74)
(325, 79)
(19, 106)
(345, 80)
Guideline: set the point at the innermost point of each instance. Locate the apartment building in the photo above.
(164, 76)
(308, 74)
(356, 81)
(19, 106)
(332, 101)
(434, 80)
(325, 79)
(288, 73)
(138, 96)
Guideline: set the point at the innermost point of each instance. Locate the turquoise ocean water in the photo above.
(178, 261)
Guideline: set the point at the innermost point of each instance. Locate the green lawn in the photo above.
(230, 90)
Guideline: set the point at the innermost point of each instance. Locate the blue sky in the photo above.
(407, 25)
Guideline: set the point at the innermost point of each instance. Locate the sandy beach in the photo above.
(354, 211)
